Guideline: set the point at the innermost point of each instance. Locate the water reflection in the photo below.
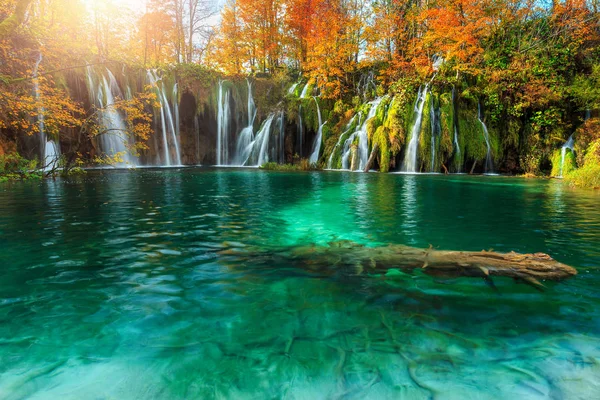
(409, 208)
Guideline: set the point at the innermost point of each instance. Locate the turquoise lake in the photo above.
(134, 284)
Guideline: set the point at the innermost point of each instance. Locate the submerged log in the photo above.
(357, 260)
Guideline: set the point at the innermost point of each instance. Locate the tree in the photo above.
(10, 24)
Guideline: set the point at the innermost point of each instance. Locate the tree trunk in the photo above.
(372, 157)
(354, 259)
(473, 167)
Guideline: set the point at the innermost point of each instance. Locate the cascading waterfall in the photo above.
(49, 151)
(281, 139)
(223, 117)
(246, 136)
(434, 118)
(292, 88)
(175, 101)
(339, 142)
(169, 120)
(316, 148)
(51, 155)
(299, 133)
(258, 149)
(410, 159)
(456, 145)
(113, 133)
(363, 141)
(197, 138)
(563, 153)
(455, 123)
(489, 164)
(251, 149)
(304, 92)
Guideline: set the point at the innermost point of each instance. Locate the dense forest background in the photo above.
(529, 69)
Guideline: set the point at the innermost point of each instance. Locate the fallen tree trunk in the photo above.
(357, 260)
(372, 157)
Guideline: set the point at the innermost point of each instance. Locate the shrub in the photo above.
(15, 167)
(304, 165)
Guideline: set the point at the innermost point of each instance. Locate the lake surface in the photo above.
(134, 284)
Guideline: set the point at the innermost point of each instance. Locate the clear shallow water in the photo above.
(133, 284)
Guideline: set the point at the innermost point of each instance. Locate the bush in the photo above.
(304, 165)
(14, 167)
(587, 176)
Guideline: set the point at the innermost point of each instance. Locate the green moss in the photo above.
(395, 122)
(381, 137)
(446, 145)
(424, 151)
(343, 130)
(471, 137)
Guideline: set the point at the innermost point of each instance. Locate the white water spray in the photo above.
(223, 117)
(169, 120)
(339, 142)
(304, 93)
(489, 164)
(246, 136)
(316, 148)
(410, 159)
(103, 89)
(362, 136)
(563, 153)
(49, 151)
(456, 145)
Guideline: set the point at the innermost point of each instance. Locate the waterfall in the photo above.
(251, 149)
(40, 109)
(113, 134)
(455, 124)
(169, 120)
(49, 150)
(304, 91)
(281, 140)
(434, 119)
(258, 149)
(197, 138)
(292, 88)
(410, 159)
(316, 148)
(363, 141)
(339, 142)
(588, 114)
(244, 141)
(299, 133)
(223, 117)
(51, 155)
(175, 101)
(489, 164)
(456, 145)
(563, 152)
